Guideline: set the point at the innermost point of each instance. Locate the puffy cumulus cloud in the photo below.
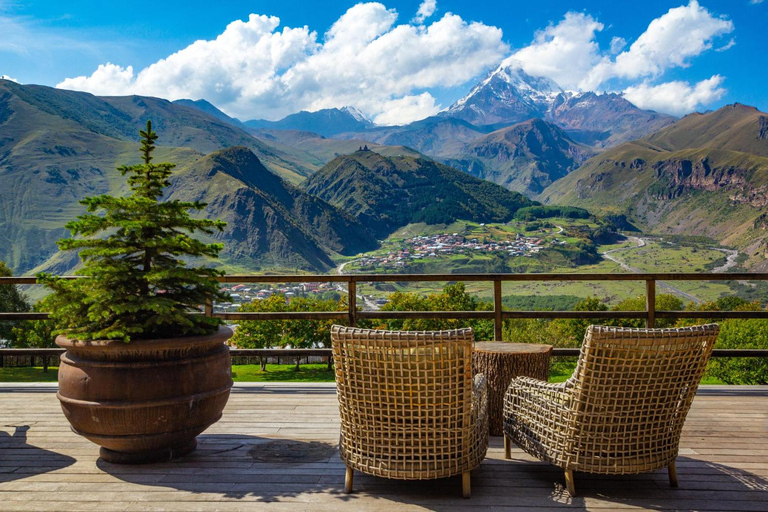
(565, 52)
(6, 77)
(669, 42)
(366, 60)
(426, 9)
(568, 52)
(676, 98)
(108, 80)
(407, 109)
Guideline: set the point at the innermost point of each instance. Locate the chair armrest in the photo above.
(480, 408)
(530, 397)
(480, 396)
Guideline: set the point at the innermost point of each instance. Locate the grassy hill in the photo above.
(385, 193)
(707, 175)
(121, 118)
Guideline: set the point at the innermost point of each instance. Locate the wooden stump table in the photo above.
(502, 362)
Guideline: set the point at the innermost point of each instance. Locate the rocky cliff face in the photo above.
(762, 128)
(678, 176)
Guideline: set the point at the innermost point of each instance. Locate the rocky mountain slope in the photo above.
(526, 157)
(707, 174)
(387, 193)
(269, 221)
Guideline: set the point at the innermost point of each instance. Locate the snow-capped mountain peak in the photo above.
(357, 114)
(506, 93)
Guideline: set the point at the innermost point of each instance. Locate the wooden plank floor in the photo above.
(275, 449)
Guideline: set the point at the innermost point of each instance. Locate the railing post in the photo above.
(352, 302)
(650, 303)
(208, 307)
(498, 321)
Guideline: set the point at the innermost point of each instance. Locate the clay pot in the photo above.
(147, 400)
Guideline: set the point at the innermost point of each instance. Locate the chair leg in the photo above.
(507, 448)
(348, 480)
(466, 488)
(569, 483)
(672, 470)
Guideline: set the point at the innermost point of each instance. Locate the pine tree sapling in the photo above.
(135, 284)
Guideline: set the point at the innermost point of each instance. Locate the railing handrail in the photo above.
(473, 277)
(325, 352)
(497, 314)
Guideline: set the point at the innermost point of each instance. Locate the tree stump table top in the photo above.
(500, 347)
(500, 363)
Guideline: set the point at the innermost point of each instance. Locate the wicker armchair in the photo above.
(623, 409)
(409, 406)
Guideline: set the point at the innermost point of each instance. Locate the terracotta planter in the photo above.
(146, 400)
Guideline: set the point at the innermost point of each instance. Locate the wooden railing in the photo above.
(498, 314)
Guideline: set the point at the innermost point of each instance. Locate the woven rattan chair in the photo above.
(409, 406)
(623, 409)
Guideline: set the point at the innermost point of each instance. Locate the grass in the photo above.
(282, 373)
(240, 373)
(559, 371)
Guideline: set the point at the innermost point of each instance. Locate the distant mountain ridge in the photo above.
(386, 193)
(326, 122)
(57, 146)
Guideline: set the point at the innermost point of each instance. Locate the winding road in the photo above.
(641, 243)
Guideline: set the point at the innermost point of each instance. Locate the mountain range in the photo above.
(298, 191)
(472, 133)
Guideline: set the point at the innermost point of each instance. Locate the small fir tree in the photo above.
(135, 283)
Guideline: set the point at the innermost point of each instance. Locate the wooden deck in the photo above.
(275, 449)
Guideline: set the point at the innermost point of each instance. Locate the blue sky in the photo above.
(383, 58)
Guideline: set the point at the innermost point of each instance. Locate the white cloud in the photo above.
(426, 9)
(617, 44)
(407, 109)
(676, 98)
(755, 2)
(365, 60)
(670, 41)
(568, 53)
(565, 52)
(6, 77)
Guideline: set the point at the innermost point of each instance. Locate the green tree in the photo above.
(735, 334)
(454, 297)
(570, 332)
(664, 302)
(11, 301)
(261, 334)
(135, 282)
(286, 333)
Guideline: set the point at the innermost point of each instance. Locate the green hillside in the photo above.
(385, 193)
(121, 118)
(707, 175)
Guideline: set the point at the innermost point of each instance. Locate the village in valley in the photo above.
(447, 245)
